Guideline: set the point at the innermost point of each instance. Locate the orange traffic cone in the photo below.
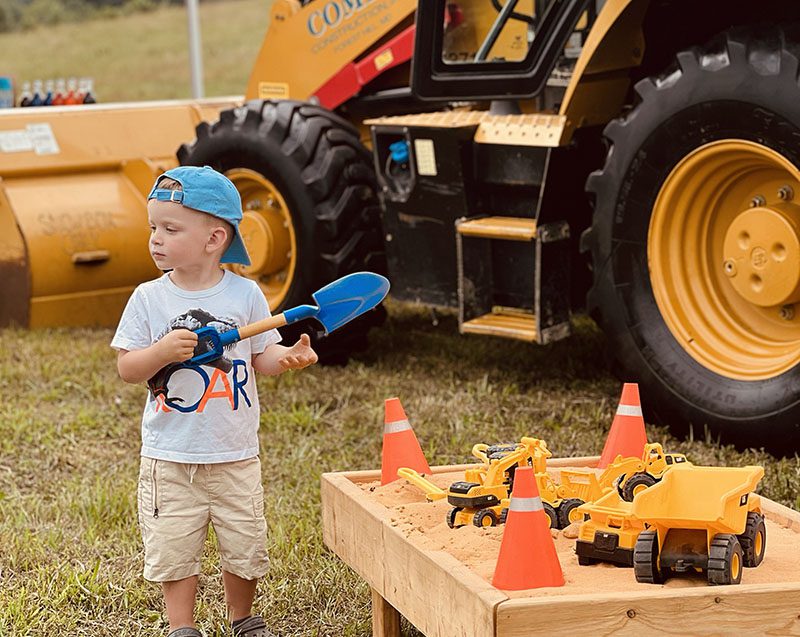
(527, 553)
(400, 446)
(626, 437)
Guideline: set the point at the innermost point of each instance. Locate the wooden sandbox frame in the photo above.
(443, 598)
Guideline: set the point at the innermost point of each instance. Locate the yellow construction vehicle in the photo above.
(73, 180)
(552, 156)
(700, 519)
(628, 476)
(482, 498)
(680, 527)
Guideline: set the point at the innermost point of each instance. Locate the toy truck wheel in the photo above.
(451, 517)
(311, 212)
(645, 559)
(705, 335)
(551, 514)
(568, 512)
(636, 483)
(725, 560)
(484, 518)
(753, 540)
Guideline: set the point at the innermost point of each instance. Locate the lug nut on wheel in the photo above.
(730, 267)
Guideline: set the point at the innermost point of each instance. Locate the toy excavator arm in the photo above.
(479, 451)
(532, 448)
(539, 453)
(432, 492)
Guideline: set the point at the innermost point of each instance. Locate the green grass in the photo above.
(144, 56)
(71, 558)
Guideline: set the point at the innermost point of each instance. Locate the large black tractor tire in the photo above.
(312, 162)
(718, 366)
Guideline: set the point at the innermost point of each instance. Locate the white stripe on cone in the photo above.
(525, 505)
(629, 410)
(396, 427)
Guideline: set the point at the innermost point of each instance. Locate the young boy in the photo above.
(199, 459)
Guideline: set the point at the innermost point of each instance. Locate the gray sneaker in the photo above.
(186, 631)
(252, 627)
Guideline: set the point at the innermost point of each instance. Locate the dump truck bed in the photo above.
(700, 497)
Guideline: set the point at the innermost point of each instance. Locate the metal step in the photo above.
(526, 129)
(506, 322)
(508, 228)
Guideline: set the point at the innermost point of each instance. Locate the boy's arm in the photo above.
(278, 358)
(137, 366)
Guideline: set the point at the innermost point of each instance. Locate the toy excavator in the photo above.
(482, 498)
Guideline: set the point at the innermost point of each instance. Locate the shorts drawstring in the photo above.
(192, 469)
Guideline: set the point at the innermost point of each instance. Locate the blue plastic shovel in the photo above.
(338, 303)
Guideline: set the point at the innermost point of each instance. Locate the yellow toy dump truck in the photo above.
(700, 519)
(712, 500)
(554, 156)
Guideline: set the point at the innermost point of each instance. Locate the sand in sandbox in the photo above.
(423, 523)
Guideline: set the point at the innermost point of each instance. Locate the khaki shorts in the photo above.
(176, 503)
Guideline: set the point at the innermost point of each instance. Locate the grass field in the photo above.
(70, 554)
(144, 56)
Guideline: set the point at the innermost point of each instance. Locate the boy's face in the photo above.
(180, 237)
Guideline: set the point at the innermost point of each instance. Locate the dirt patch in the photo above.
(423, 523)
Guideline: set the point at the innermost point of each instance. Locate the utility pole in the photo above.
(195, 49)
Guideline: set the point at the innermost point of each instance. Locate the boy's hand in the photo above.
(299, 355)
(178, 345)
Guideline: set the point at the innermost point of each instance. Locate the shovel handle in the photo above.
(270, 323)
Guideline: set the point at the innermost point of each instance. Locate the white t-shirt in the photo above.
(207, 413)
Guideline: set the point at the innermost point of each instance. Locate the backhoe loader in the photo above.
(483, 496)
(632, 159)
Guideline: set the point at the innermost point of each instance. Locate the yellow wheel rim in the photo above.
(268, 233)
(736, 566)
(575, 516)
(724, 257)
(759, 544)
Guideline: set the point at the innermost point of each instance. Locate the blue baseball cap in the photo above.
(208, 191)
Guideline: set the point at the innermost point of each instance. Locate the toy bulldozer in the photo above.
(702, 519)
(628, 475)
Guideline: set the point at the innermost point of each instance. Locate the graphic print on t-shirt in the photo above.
(192, 378)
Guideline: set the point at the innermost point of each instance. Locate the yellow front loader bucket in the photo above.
(73, 221)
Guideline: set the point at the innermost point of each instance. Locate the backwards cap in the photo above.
(208, 191)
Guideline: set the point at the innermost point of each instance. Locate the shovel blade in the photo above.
(349, 297)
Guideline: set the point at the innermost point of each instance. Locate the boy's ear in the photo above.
(217, 239)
